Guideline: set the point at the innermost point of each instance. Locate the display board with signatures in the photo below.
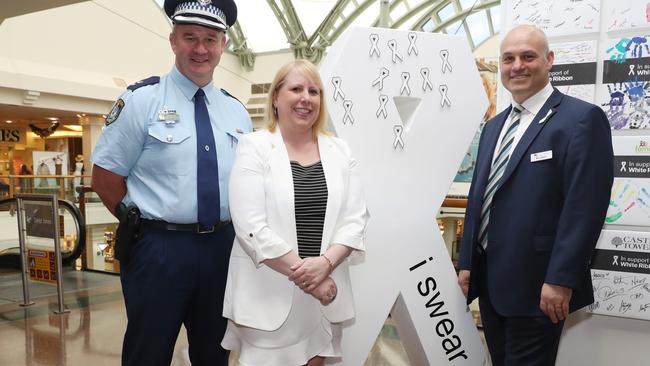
(621, 274)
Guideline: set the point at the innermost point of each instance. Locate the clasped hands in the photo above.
(312, 276)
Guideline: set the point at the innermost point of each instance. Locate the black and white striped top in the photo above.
(310, 196)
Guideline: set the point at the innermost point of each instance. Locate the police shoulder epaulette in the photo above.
(225, 92)
(144, 82)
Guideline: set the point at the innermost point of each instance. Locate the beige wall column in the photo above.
(450, 232)
(92, 129)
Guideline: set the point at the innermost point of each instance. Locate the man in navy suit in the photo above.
(536, 206)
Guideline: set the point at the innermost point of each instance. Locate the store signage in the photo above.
(38, 220)
(10, 135)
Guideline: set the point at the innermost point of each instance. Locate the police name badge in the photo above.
(169, 116)
(115, 111)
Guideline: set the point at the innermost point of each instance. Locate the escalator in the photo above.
(73, 233)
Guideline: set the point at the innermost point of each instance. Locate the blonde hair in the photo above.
(308, 70)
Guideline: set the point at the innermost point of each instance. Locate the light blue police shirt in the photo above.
(158, 157)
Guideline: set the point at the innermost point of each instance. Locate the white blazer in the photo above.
(263, 213)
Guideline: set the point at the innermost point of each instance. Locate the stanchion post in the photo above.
(57, 254)
(23, 251)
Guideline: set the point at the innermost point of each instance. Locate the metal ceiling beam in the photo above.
(334, 32)
(323, 35)
(440, 25)
(409, 14)
(240, 47)
(313, 47)
(294, 31)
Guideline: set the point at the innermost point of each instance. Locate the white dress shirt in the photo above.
(529, 109)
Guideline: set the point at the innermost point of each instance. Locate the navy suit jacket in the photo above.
(546, 216)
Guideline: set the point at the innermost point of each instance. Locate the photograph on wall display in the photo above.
(574, 69)
(620, 274)
(625, 91)
(557, 18)
(626, 14)
(629, 203)
(488, 69)
(48, 163)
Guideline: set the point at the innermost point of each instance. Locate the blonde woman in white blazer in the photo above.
(294, 191)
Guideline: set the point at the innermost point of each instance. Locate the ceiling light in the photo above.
(52, 119)
(76, 128)
(9, 121)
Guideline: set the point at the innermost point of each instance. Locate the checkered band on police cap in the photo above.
(219, 14)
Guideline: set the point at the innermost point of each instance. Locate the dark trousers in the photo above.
(176, 278)
(517, 341)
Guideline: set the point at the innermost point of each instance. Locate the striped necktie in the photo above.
(496, 172)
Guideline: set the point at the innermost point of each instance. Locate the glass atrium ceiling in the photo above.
(309, 26)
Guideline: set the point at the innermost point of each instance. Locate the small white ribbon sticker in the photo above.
(444, 99)
(446, 65)
(347, 104)
(412, 48)
(392, 44)
(336, 81)
(383, 74)
(405, 84)
(426, 83)
(383, 99)
(398, 129)
(374, 47)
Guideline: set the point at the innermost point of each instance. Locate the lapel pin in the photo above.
(548, 114)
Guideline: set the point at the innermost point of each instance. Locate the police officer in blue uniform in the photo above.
(167, 150)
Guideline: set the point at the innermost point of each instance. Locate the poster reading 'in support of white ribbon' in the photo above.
(574, 69)
(629, 203)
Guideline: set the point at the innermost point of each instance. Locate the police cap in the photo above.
(218, 14)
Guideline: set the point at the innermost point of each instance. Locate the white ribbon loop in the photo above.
(336, 81)
(426, 83)
(392, 44)
(631, 70)
(383, 99)
(444, 55)
(347, 104)
(412, 48)
(444, 99)
(374, 47)
(405, 84)
(383, 74)
(398, 130)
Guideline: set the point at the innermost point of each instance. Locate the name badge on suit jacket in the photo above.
(540, 156)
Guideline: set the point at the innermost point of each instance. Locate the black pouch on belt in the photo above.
(127, 231)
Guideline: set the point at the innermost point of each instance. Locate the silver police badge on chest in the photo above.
(169, 116)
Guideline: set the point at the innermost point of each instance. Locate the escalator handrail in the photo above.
(81, 227)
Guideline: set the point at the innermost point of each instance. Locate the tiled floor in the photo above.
(91, 333)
